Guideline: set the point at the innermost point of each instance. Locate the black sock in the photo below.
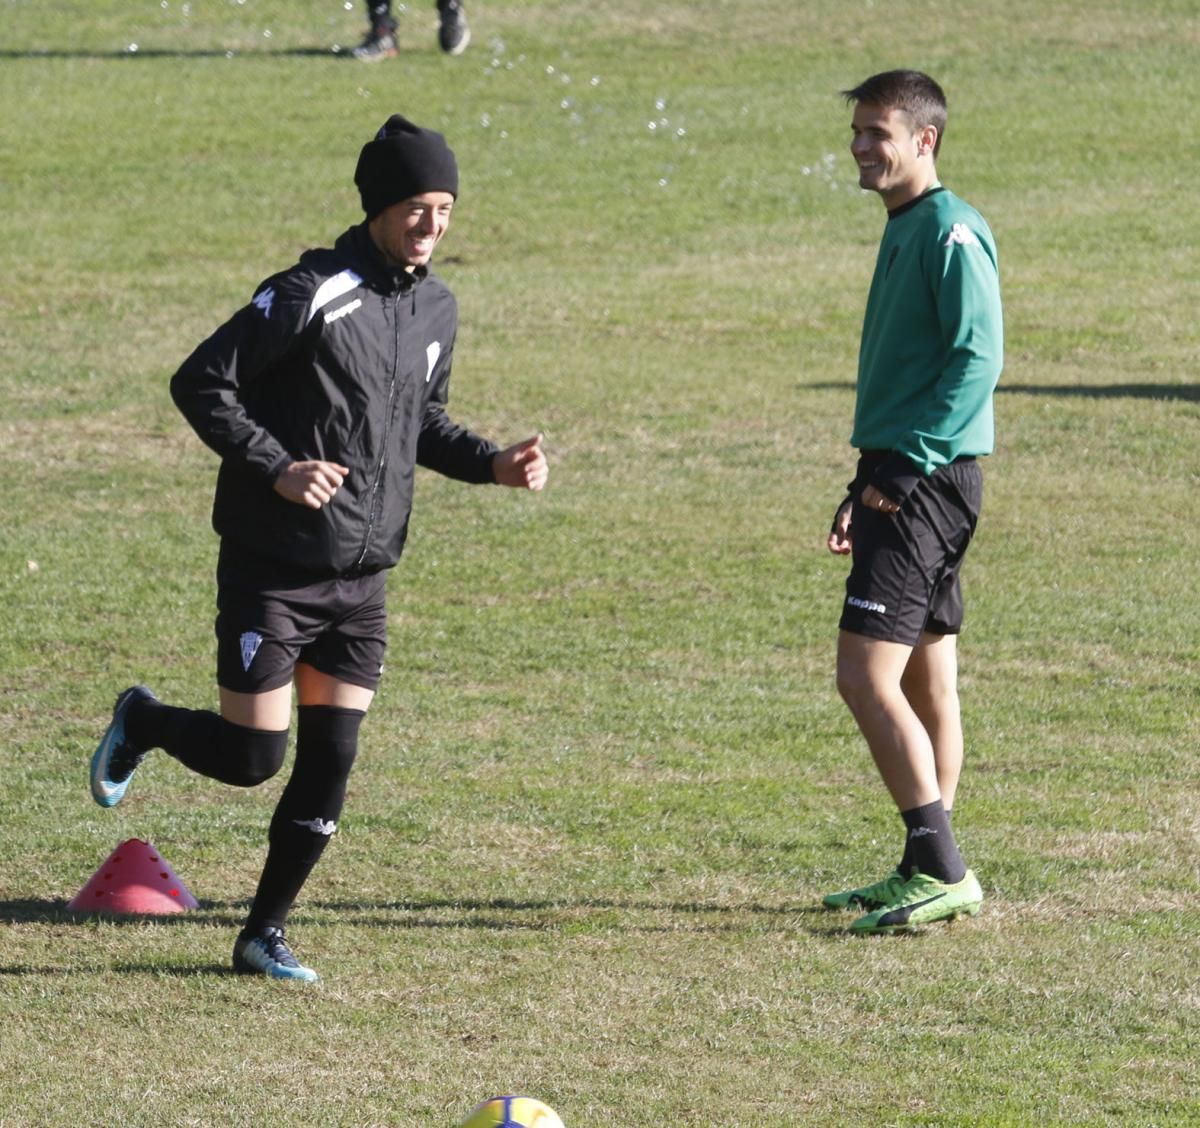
(381, 15)
(930, 847)
(906, 859)
(306, 816)
(207, 743)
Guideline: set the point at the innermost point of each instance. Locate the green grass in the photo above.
(607, 776)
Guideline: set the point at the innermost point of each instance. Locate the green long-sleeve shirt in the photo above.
(932, 341)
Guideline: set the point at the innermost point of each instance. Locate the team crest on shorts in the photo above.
(251, 641)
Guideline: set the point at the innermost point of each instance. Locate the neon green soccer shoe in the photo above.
(867, 896)
(922, 900)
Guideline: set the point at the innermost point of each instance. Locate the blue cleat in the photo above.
(115, 760)
(266, 953)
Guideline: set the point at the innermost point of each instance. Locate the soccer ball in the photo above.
(512, 1112)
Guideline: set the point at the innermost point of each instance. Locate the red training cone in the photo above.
(133, 879)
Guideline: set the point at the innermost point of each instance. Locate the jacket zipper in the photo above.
(387, 433)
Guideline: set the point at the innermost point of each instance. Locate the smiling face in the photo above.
(893, 158)
(407, 232)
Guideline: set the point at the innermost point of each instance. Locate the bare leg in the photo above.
(271, 711)
(316, 688)
(869, 675)
(930, 682)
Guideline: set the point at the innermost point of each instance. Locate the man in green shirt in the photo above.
(931, 354)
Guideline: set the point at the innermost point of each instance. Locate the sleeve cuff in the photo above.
(896, 476)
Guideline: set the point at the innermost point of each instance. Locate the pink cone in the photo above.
(133, 879)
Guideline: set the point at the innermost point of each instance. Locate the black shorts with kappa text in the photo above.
(904, 576)
(269, 618)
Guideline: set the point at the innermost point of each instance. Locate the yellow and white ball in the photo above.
(512, 1112)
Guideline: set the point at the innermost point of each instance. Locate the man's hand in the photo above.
(310, 483)
(522, 466)
(873, 499)
(839, 542)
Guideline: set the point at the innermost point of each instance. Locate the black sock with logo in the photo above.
(906, 860)
(930, 846)
(307, 813)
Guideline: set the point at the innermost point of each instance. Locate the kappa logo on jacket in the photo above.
(332, 289)
(264, 300)
(432, 352)
(341, 311)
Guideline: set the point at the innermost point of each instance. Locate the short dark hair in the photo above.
(911, 91)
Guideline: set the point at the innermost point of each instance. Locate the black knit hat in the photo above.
(403, 160)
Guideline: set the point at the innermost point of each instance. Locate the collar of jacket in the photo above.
(357, 244)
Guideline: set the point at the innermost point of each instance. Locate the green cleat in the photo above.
(869, 896)
(922, 900)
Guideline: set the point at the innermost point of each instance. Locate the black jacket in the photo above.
(338, 358)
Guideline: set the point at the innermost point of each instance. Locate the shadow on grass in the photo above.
(47, 911)
(191, 971)
(600, 915)
(1184, 393)
(562, 917)
(498, 914)
(171, 53)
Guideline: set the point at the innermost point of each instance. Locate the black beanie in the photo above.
(403, 160)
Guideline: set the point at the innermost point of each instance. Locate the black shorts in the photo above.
(269, 618)
(904, 576)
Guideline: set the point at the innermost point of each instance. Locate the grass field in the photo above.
(607, 777)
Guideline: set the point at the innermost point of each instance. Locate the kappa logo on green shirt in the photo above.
(961, 234)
